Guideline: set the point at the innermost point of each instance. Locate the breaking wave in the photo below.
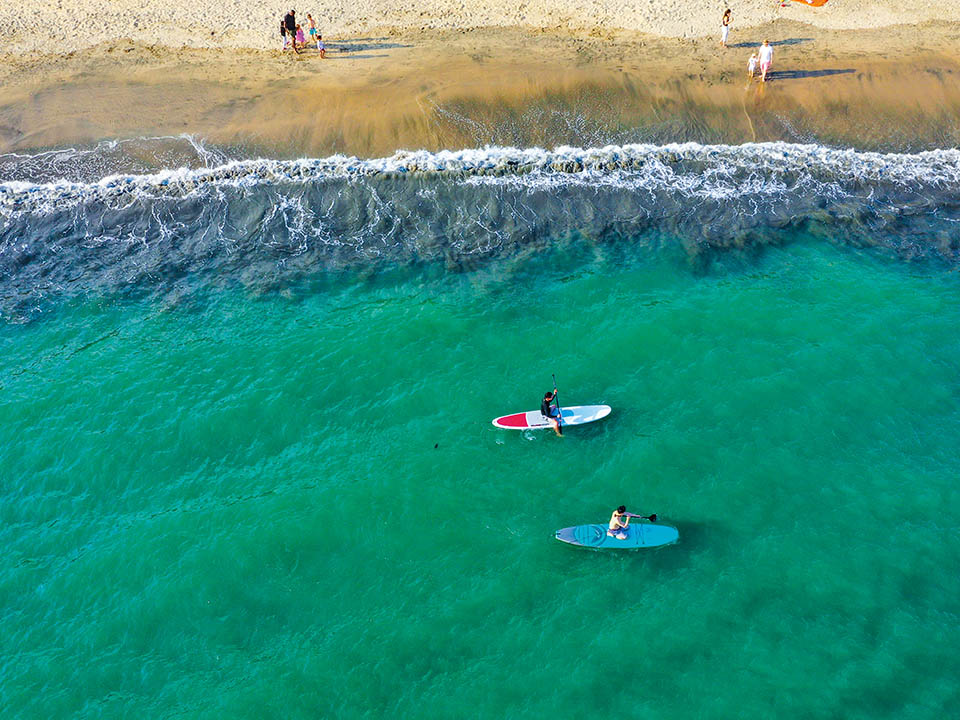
(709, 171)
(261, 222)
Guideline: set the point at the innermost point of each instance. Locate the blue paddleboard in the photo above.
(639, 535)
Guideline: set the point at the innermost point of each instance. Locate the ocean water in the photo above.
(248, 468)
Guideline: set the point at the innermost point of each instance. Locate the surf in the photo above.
(715, 171)
(267, 224)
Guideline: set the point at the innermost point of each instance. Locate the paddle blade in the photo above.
(653, 518)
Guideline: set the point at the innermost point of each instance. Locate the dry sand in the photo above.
(454, 89)
(67, 25)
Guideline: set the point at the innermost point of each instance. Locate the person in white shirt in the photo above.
(752, 66)
(766, 59)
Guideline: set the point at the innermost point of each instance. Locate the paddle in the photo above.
(556, 399)
(651, 518)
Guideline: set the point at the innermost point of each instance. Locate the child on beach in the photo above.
(283, 35)
(752, 65)
(312, 29)
(725, 28)
(300, 40)
(321, 47)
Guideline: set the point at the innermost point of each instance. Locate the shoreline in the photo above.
(456, 89)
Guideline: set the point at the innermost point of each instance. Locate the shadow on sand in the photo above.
(351, 56)
(788, 41)
(801, 74)
(354, 48)
(365, 44)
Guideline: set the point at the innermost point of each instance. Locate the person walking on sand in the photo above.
(752, 66)
(312, 29)
(283, 36)
(321, 47)
(300, 39)
(725, 28)
(766, 59)
(290, 23)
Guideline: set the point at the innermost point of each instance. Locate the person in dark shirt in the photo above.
(550, 412)
(290, 23)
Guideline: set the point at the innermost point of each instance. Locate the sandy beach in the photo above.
(437, 89)
(67, 25)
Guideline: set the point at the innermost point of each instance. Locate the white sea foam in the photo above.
(716, 172)
(129, 156)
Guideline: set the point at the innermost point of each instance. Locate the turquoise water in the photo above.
(238, 502)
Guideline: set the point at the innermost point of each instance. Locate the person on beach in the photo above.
(752, 65)
(312, 29)
(283, 36)
(300, 39)
(766, 59)
(550, 412)
(725, 28)
(321, 47)
(619, 523)
(290, 23)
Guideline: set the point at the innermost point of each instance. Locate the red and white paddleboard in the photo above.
(533, 420)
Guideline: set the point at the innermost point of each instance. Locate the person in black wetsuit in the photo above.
(550, 412)
(290, 23)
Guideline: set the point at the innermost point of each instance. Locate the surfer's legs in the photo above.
(556, 426)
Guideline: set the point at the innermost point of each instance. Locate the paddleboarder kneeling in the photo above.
(550, 412)
(619, 523)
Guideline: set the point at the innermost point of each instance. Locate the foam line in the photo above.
(714, 171)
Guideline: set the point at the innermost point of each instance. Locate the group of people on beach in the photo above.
(291, 32)
(762, 57)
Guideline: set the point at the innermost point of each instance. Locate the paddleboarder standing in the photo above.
(550, 412)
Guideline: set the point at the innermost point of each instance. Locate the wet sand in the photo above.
(453, 89)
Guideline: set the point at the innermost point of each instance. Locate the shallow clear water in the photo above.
(238, 484)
